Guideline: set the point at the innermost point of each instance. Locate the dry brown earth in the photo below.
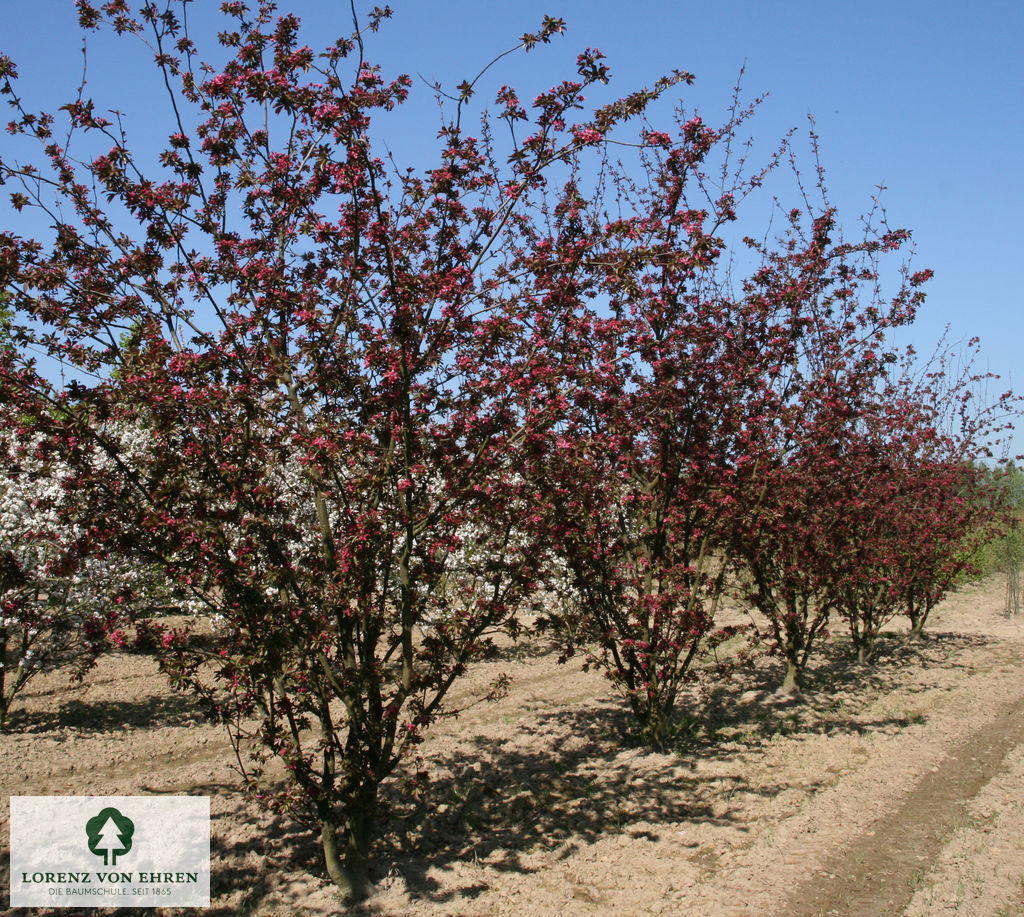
(892, 790)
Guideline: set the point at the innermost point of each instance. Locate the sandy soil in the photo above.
(897, 789)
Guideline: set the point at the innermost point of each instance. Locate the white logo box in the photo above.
(110, 851)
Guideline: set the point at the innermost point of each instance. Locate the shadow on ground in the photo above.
(559, 780)
(566, 779)
(837, 691)
(501, 798)
(249, 869)
(98, 716)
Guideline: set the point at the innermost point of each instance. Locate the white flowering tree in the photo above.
(65, 596)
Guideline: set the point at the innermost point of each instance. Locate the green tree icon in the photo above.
(110, 835)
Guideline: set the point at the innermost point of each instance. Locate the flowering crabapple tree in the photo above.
(925, 505)
(876, 576)
(878, 504)
(958, 504)
(336, 367)
(805, 482)
(665, 386)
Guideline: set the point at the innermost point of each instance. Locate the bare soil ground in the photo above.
(895, 789)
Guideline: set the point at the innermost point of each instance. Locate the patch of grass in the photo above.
(917, 879)
(964, 822)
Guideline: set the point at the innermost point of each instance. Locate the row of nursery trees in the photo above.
(369, 416)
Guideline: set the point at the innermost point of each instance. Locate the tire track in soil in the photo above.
(875, 874)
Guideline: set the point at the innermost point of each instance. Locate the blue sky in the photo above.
(923, 96)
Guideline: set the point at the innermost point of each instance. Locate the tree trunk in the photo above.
(657, 729)
(864, 649)
(348, 885)
(917, 617)
(917, 628)
(347, 857)
(793, 681)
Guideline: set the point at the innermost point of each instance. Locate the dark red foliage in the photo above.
(311, 379)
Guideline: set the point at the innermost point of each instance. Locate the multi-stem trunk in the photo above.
(656, 728)
(917, 627)
(792, 637)
(917, 613)
(866, 614)
(346, 841)
(796, 617)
